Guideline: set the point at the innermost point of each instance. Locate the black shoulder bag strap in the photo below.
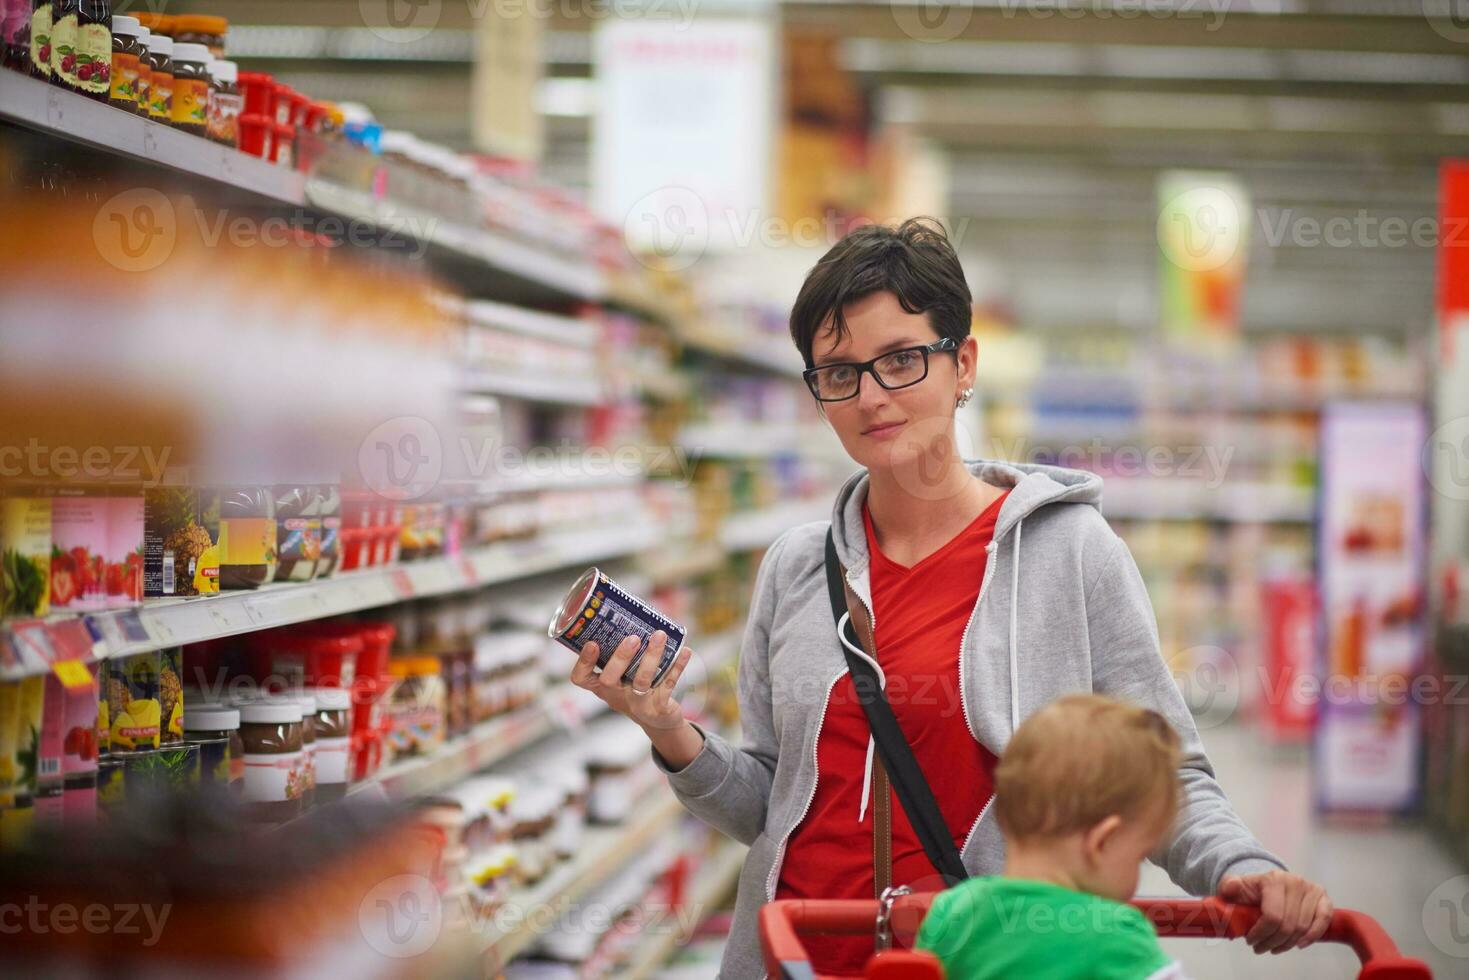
(897, 756)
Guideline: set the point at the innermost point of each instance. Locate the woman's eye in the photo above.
(840, 375)
(904, 358)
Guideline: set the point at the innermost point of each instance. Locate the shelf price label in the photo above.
(73, 674)
(70, 640)
(402, 583)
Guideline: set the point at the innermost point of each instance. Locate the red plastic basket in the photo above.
(782, 923)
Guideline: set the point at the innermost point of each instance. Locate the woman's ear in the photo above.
(968, 361)
(1099, 837)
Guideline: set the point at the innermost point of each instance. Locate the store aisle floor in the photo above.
(1388, 871)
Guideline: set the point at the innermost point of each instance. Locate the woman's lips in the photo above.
(885, 429)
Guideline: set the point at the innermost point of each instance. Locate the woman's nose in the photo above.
(870, 394)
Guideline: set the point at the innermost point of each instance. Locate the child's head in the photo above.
(1092, 783)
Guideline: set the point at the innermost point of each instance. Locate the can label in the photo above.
(607, 615)
(271, 777)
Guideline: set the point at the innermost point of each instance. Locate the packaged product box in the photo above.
(49, 782)
(180, 552)
(79, 751)
(79, 543)
(124, 569)
(25, 556)
(32, 717)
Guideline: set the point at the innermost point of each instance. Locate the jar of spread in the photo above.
(247, 537)
(333, 741)
(272, 734)
(331, 530)
(40, 43)
(200, 29)
(215, 728)
(63, 39)
(225, 103)
(145, 73)
(81, 47)
(417, 707)
(298, 532)
(283, 148)
(160, 78)
(190, 110)
(307, 701)
(127, 52)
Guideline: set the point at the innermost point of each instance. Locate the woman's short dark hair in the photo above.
(913, 261)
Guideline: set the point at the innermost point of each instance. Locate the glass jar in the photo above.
(247, 537)
(201, 29)
(333, 723)
(331, 530)
(417, 706)
(225, 103)
(307, 701)
(190, 111)
(160, 78)
(298, 534)
(272, 734)
(215, 728)
(127, 52)
(40, 40)
(81, 47)
(145, 73)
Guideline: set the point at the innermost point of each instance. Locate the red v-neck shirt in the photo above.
(921, 614)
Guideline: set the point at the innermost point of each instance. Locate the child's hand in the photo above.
(1294, 912)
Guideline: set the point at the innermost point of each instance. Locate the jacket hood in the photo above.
(1032, 486)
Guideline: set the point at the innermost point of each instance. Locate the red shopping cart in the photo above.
(783, 922)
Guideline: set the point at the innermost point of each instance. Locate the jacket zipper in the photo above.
(989, 570)
(810, 797)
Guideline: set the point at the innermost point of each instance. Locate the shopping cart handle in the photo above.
(782, 924)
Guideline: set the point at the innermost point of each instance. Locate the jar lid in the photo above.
(191, 52)
(425, 666)
(285, 129)
(270, 710)
(331, 698)
(225, 71)
(210, 717)
(144, 34)
(161, 44)
(307, 700)
(256, 78)
(125, 25)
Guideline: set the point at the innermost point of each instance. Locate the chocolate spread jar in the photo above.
(333, 723)
(272, 733)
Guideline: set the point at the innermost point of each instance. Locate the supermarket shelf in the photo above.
(172, 622)
(742, 347)
(757, 439)
(558, 276)
(760, 528)
(1185, 500)
(681, 562)
(604, 852)
(531, 388)
(710, 886)
(47, 109)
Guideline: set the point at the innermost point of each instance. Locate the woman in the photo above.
(992, 588)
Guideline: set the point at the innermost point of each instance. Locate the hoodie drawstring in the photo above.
(1014, 629)
(882, 682)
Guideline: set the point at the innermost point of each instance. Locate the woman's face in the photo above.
(883, 429)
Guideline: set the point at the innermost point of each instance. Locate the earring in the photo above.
(964, 397)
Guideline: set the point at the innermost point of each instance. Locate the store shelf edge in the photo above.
(174, 622)
(710, 887)
(48, 109)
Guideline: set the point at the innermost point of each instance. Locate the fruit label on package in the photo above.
(94, 58)
(64, 48)
(124, 77)
(190, 102)
(160, 97)
(133, 701)
(25, 556)
(41, 40)
(78, 552)
(180, 556)
(271, 777)
(224, 118)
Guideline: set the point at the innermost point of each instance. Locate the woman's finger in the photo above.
(584, 671)
(670, 681)
(648, 666)
(617, 664)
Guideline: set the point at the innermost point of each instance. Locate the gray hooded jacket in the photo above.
(1061, 609)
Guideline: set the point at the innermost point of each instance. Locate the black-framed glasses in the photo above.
(893, 370)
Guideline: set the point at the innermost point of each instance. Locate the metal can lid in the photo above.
(571, 607)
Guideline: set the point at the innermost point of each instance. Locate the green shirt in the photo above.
(998, 928)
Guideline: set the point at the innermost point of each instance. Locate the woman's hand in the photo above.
(1294, 912)
(654, 709)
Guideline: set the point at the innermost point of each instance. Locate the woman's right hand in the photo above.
(656, 710)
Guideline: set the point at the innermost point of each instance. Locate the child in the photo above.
(1085, 790)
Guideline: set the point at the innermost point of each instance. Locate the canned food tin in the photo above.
(598, 610)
